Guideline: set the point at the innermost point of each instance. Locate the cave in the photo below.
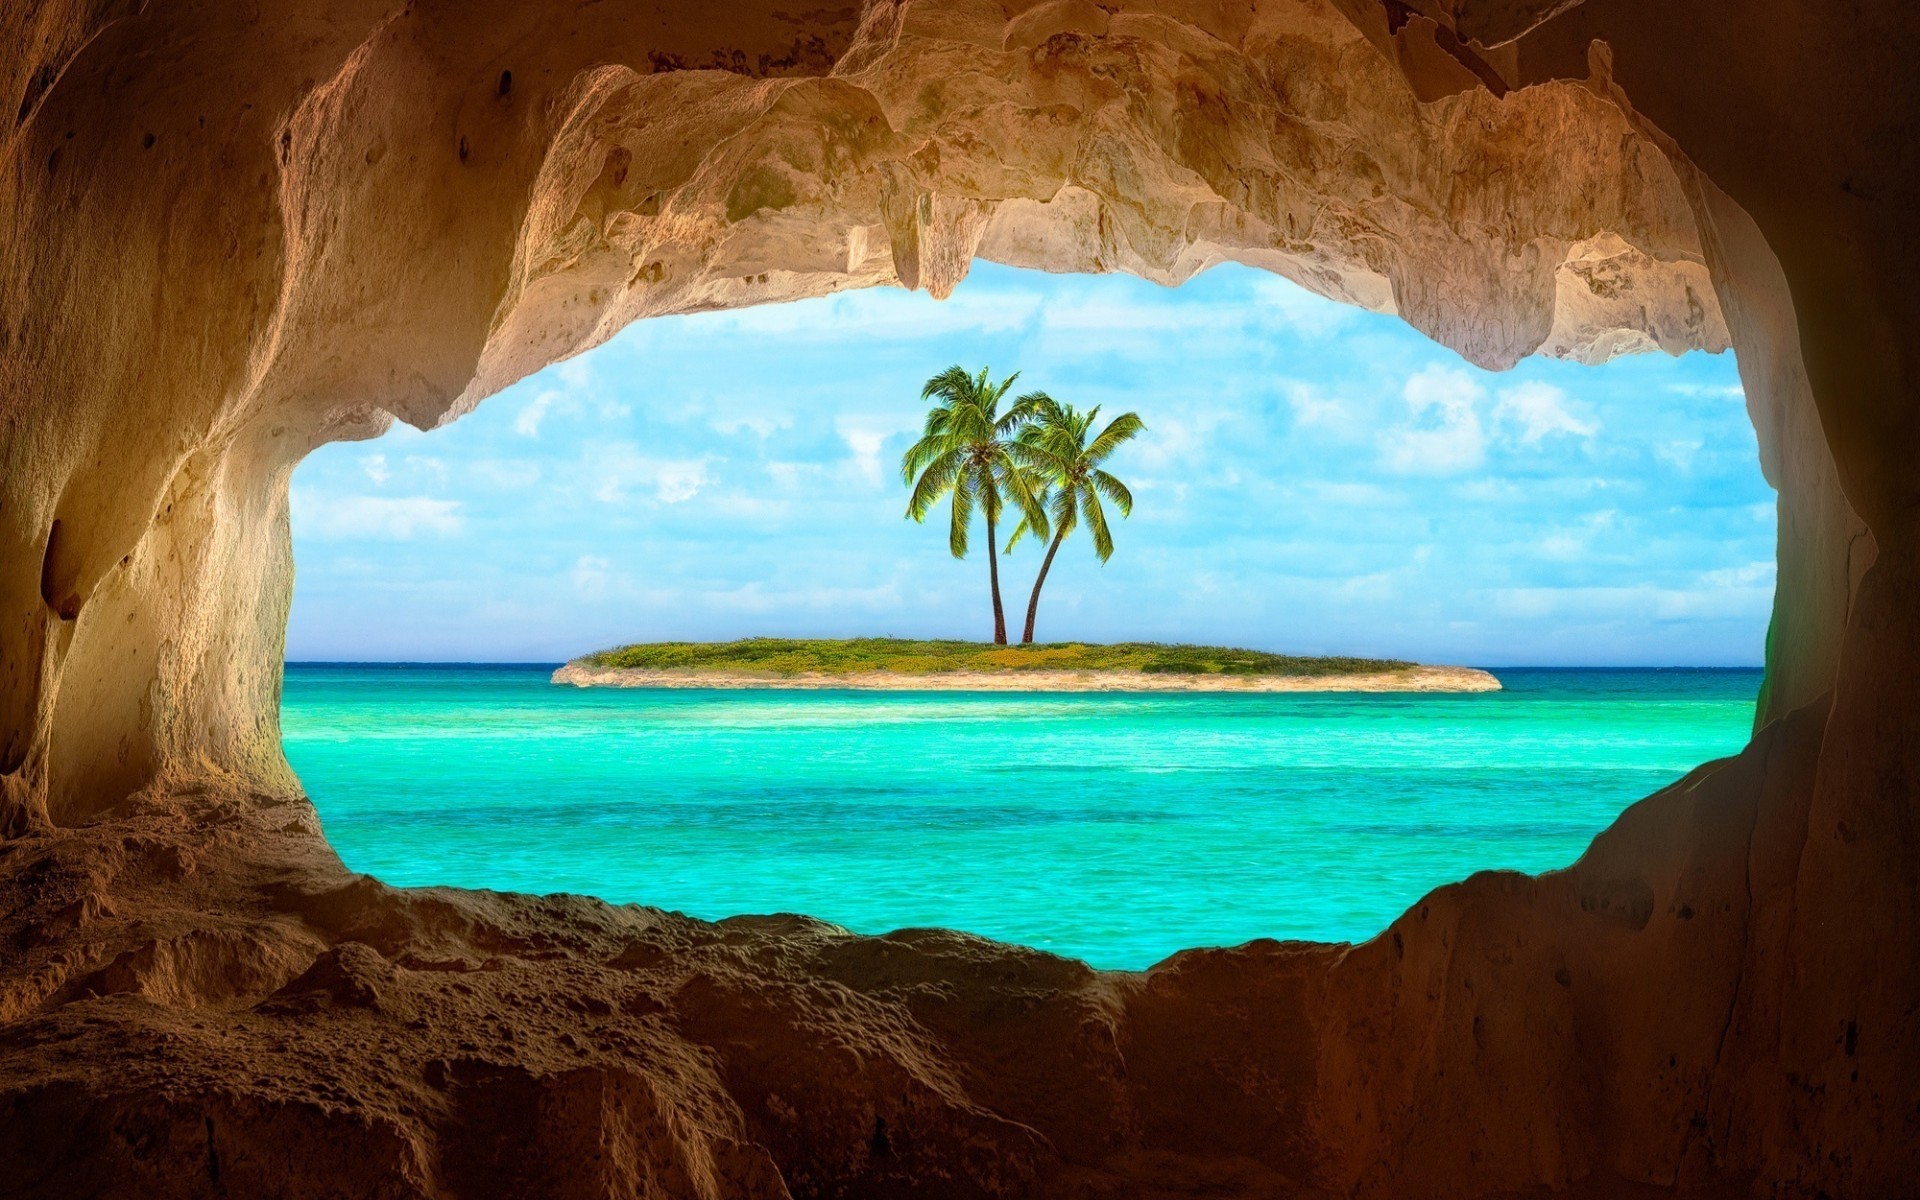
(237, 235)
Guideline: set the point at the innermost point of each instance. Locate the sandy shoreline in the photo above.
(1415, 679)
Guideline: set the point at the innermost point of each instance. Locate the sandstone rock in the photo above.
(233, 235)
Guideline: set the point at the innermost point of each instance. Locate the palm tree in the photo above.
(964, 450)
(1055, 446)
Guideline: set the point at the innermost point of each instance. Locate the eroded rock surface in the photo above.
(235, 234)
(202, 996)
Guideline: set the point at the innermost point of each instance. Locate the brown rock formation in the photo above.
(234, 234)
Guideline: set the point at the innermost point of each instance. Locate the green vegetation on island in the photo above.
(790, 657)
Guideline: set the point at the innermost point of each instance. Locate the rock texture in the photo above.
(234, 234)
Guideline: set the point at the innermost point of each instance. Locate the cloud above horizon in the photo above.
(1314, 478)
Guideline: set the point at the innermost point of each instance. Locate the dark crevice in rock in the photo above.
(1513, 1035)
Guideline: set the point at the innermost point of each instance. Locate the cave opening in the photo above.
(239, 239)
(1312, 479)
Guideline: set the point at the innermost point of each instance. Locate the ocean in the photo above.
(1113, 828)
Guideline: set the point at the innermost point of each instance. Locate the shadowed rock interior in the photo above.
(234, 237)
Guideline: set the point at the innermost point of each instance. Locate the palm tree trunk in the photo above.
(1033, 604)
(993, 573)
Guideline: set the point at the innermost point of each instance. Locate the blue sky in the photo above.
(1314, 479)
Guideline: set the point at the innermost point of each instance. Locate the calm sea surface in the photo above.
(1113, 828)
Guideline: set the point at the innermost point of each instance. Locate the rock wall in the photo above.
(236, 235)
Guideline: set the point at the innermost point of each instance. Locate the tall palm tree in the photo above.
(965, 450)
(1055, 446)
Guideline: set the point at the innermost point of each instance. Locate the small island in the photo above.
(903, 664)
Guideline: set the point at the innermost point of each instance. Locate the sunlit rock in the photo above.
(235, 234)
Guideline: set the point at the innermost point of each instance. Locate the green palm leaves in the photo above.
(1039, 456)
(963, 453)
(1060, 447)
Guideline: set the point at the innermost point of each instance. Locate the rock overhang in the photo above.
(388, 213)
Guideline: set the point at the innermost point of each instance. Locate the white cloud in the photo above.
(1628, 606)
(1170, 494)
(1570, 544)
(505, 473)
(375, 465)
(1352, 495)
(1273, 304)
(1443, 434)
(865, 436)
(617, 468)
(1539, 410)
(791, 476)
(1727, 391)
(677, 482)
(1490, 491)
(1678, 454)
(744, 507)
(1563, 546)
(1089, 314)
(1380, 585)
(1181, 436)
(756, 597)
(421, 464)
(590, 575)
(1753, 574)
(762, 426)
(527, 423)
(1314, 409)
(877, 313)
(1282, 301)
(392, 517)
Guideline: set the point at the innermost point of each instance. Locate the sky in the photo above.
(1313, 479)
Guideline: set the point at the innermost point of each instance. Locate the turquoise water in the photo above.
(1113, 828)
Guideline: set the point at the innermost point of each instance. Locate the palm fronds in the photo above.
(1038, 456)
